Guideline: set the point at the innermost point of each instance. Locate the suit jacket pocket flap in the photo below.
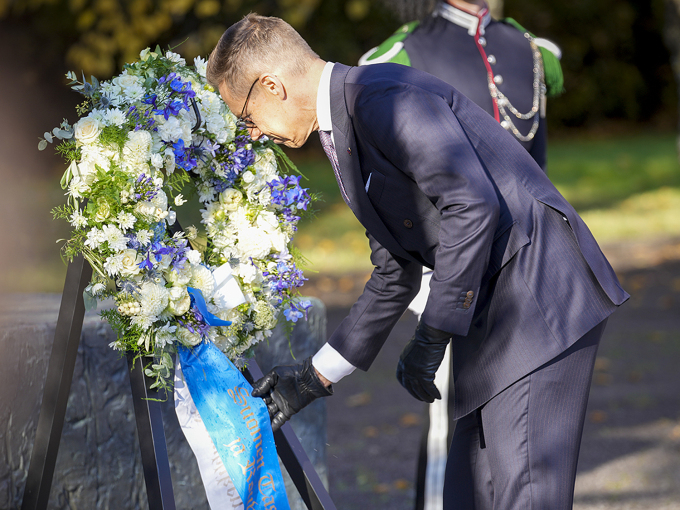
(504, 247)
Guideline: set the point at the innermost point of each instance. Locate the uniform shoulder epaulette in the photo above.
(392, 50)
(551, 54)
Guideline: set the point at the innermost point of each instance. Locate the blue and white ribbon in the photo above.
(228, 430)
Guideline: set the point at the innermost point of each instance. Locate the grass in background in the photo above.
(626, 188)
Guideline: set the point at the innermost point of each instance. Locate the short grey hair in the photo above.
(255, 45)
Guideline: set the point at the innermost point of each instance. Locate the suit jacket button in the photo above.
(470, 294)
(408, 223)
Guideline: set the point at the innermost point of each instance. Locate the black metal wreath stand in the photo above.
(147, 412)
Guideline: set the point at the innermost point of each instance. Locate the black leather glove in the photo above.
(287, 389)
(420, 360)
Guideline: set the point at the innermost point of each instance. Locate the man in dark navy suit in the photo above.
(507, 72)
(520, 287)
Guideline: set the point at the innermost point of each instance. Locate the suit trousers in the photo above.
(520, 449)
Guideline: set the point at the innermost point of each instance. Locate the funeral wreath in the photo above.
(146, 140)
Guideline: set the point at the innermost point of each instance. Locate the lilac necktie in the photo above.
(329, 149)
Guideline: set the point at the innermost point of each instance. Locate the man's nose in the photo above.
(255, 133)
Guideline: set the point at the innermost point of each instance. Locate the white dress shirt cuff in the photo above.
(330, 363)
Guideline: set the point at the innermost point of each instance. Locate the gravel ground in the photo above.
(630, 454)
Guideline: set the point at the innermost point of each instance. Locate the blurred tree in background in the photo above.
(615, 64)
(98, 36)
(617, 70)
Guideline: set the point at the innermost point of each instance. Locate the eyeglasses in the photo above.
(246, 121)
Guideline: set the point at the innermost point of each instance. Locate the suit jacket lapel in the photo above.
(350, 169)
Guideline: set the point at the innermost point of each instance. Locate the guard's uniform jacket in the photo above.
(497, 64)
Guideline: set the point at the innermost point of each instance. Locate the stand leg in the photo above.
(57, 386)
(295, 460)
(151, 439)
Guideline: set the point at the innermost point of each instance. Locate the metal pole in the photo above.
(295, 460)
(151, 438)
(57, 386)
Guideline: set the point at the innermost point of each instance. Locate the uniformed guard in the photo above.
(509, 73)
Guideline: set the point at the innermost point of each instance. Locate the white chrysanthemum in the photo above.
(112, 91)
(202, 279)
(206, 193)
(134, 93)
(126, 220)
(143, 321)
(78, 220)
(117, 241)
(114, 117)
(144, 236)
(137, 148)
(175, 57)
(153, 299)
(215, 122)
(174, 128)
(77, 188)
(254, 242)
(95, 238)
(113, 265)
(210, 103)
(165, 335)
(187, 338)
(191, 232)
(201, 65)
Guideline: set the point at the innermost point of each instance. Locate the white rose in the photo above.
(126, 80)
(146, 209)
(248, 176)
(157, 160)
(194, 256)
(86, 130)
(130, 261)
(231, 198)
(181, 276)
(87, 171)
(187, 338)
(180, 301)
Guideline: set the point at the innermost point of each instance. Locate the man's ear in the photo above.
(273, 85)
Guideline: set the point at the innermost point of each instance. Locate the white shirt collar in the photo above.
(323, 99)
(462, 18)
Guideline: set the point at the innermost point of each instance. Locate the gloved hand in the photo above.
(287, 389)
(419, 361)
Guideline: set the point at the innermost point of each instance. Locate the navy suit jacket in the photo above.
(518, 277)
